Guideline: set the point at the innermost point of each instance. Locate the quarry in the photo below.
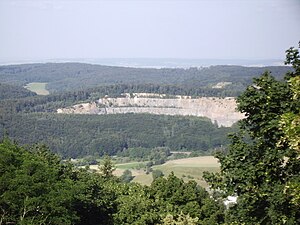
(220, 110)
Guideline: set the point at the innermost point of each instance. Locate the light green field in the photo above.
(143, 178)
(39, 88)
(187, 169)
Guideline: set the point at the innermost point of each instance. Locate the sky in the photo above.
(191, 29)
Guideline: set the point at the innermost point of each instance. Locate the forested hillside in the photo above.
(81, 135)
(74, 76)
(34, 119)
(77, 136)
(8, 91)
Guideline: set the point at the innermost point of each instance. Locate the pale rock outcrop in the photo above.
(221, 110)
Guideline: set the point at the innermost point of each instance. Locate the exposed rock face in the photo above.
(220, 110)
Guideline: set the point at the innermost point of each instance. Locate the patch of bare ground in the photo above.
(201, 161)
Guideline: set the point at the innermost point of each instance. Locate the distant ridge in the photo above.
(154, 62)
(61, 77)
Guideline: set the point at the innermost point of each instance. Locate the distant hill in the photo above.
(62, 77)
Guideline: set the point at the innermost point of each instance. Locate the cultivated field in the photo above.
(39, 88)
(187, 169)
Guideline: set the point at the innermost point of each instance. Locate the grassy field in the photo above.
(39, 88)
(187, 169)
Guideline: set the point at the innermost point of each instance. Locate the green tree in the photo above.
(261, 163)
(181, 220)
(174, 196)
(290, 122)
(135, 207)
(126, 176)
(156, 174)
(107, 168)
(94, 199)
(34, 187)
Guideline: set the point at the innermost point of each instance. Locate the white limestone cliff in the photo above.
(221, 110)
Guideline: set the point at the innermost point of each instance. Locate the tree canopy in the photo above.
(36, 187)
(262, 165)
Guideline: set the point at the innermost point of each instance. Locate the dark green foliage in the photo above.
(126, 176)
(36, 188)
(156, 155)
(134, 206)
(260, 169)
(156, 174)
(13, 92)
(107, 168)
(166, 196)
(175, 197)
(94, 200)
(81, 135)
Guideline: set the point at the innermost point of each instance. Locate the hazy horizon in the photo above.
(154, 62)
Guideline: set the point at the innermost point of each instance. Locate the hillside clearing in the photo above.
(39, 88)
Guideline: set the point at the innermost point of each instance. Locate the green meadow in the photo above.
(187, 169)
(39, 88)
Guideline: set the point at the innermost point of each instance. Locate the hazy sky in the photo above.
(227, 29)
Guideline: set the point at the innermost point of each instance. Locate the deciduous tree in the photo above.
(262, 160)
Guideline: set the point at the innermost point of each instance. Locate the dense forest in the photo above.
(81, 135)
(8, 91)
(62, 77)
